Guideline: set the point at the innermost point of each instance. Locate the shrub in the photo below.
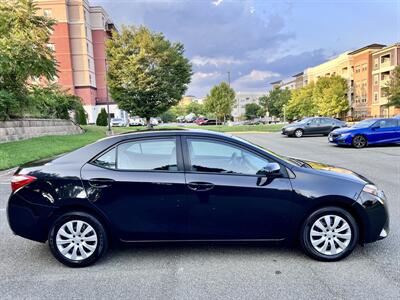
(102, 118)
(80, 115)
(53, 102)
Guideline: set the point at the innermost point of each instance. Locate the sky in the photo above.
(260, 41)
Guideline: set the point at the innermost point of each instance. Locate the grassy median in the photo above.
(13, 154)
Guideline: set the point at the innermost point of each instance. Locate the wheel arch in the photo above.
(84, 209)
(340, 202)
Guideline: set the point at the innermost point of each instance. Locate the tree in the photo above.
(194, 107)
(220, 101)
(330, 96)
(301, 103)
(253, 110)
(147, 73)
(24, 36)
(102, 118)
(392, 89)
(275, 100)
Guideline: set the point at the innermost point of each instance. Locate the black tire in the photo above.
(101, 244)
(305, 238)
(298, 133)
(359, 141)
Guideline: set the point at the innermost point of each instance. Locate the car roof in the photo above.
(166, 131)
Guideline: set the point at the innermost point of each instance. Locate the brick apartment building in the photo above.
(78, 40)
(383, 63)
(366, 70)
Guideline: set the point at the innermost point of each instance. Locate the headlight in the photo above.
(373, 190)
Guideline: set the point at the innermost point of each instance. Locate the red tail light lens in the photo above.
(18, 181)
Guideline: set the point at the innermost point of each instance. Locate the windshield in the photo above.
(364, 124)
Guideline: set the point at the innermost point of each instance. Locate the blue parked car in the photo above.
(368, 132)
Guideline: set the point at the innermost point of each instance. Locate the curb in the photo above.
(8, 172)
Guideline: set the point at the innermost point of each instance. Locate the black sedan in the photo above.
(184, 185)
(312, 126)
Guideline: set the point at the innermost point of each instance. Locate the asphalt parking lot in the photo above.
(221, 271)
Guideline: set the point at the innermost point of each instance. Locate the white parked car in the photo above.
(136, 121)
(117, 122)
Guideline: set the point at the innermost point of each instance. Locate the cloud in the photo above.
(217, 2)
(214, 61)
(200, 76)
(255, 80)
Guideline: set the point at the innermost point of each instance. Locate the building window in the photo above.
(90, 79)
(375, 97)
(47, 12)
(376, 63)
(88, 63)
(364, 67)
(376, 79)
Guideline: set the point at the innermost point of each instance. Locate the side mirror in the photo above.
(374, 127)
(272, 169)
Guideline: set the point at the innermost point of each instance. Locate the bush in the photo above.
(53, 102)
(8, 104)
(168, 116)
(102, 118)
(80, 115)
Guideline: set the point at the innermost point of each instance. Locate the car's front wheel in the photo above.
(359, 141)
(298, 133)
(329, 234)
(77, 239)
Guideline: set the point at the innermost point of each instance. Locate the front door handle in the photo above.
(101, 182)
(200, 186)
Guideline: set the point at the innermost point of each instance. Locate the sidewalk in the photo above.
(5, 175)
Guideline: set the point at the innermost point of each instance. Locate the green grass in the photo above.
(13, 154)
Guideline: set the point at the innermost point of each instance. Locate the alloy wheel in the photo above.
(76, 240)
(359, 141)
(330, 235)
(298, 133)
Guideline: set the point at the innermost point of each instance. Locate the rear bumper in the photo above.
(28, 220)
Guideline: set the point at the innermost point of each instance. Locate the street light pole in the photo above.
(108, 102)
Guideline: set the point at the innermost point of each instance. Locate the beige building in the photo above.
(340, 65)
(383, 63)
(241, 99)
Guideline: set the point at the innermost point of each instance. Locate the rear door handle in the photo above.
(101, 182)
(200, 186)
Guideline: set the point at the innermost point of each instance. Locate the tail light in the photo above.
(18, 181)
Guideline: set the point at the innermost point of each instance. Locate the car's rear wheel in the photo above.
(298, 133)
(329, 234)
(77, 239)
(359, 141)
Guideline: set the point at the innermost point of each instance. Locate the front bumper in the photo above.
(339, 139)
(287, 131)
(375, 217)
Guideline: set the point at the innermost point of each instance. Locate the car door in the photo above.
(384, 131)
(228, 198)
(312, 126)
(326, 125)
(139, 185)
